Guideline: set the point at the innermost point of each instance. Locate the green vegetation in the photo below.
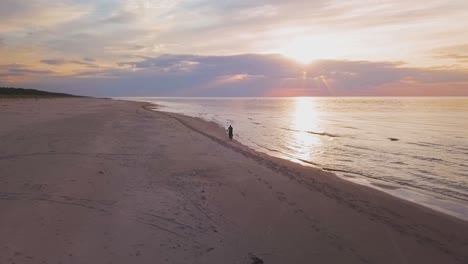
(9, 92)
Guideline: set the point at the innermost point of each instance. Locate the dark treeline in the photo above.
(20, 92)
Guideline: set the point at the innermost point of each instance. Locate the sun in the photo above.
(301, 52)
(300, 56)
(308, 49)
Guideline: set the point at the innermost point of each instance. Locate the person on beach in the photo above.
(230, 131)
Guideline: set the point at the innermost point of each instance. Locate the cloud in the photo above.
(207, 47)
(462, 58)
(21, 69)
(24, 71)
(59, 62)
(453, 53)
(122, 17)
(10, 74)
(25, 15)
(221, 65)
(254, 75)
(54, 61)
(111, 31)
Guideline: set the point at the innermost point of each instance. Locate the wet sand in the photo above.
(103, 181)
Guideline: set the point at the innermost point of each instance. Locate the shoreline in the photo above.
(108, 181)
(445, 205)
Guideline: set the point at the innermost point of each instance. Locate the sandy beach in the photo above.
(104, 181)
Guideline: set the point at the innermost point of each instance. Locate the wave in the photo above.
(313, 132)
(358, 147)
(350, 127)
(426, 158)
(426, 144)
(322, 134)
(368, 148)
(416, 184)
(398, 162)
(399, 154)
(343, 171)
(267, 148)
(454, 149)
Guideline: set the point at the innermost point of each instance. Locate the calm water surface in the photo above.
(416, 143)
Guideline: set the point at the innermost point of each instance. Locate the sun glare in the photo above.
(307, 49)
(299, 53)
(305, 120)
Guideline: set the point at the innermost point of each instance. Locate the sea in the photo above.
(413, 147)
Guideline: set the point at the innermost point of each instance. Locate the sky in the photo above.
(236, 48)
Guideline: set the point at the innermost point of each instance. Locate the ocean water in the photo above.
(399, 144)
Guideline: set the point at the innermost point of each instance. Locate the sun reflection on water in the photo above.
(304, 121)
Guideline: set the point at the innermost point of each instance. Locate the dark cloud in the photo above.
(20, 70)
(14, 74)
(12, 66)
(54, 61)
(254, 75)
(251, 64)
(58, 62)
(83, 63)
(343, 74)
(24, 71)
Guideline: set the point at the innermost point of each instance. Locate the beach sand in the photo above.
(104, 181)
